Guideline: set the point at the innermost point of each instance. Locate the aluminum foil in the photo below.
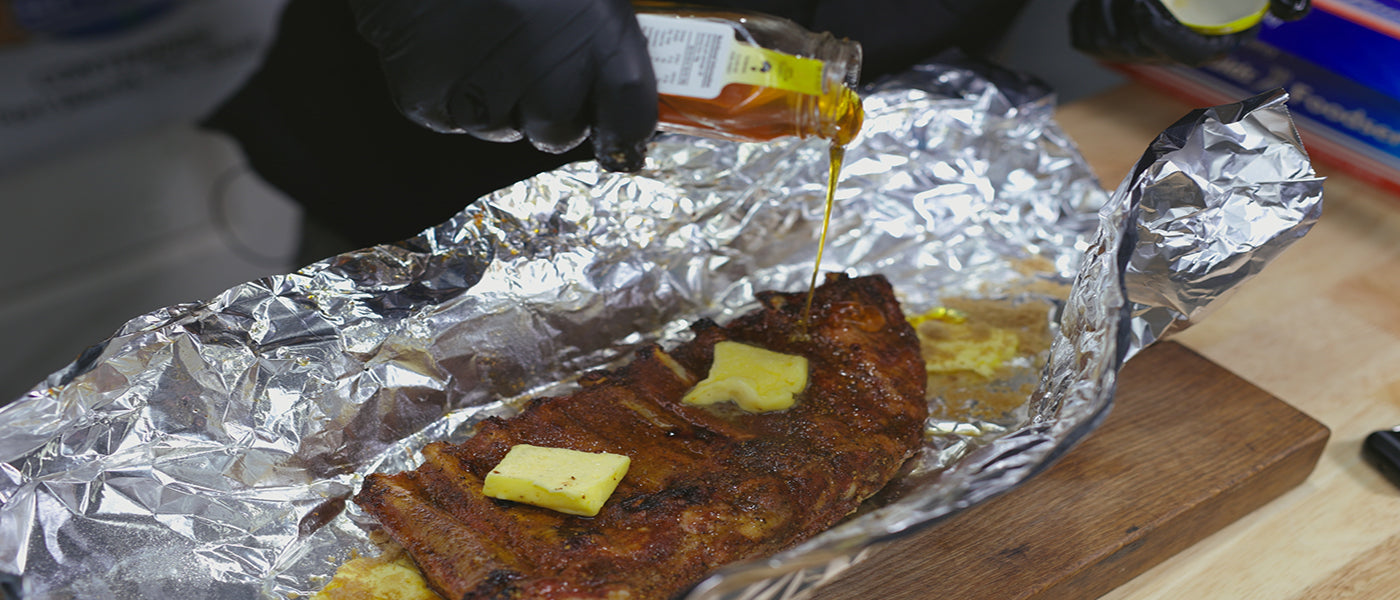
(208, 450)
(1219, 194)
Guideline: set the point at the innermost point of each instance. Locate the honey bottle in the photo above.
(750, 77)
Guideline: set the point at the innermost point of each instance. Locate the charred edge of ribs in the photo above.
(707, 486)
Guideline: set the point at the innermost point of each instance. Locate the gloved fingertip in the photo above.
(1289, 10)
(624, 157)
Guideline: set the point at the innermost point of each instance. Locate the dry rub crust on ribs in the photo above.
(707, 485)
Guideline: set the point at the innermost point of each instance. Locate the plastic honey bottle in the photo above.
(750, 77)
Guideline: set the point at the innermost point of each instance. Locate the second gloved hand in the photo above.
(1148, 31)
(551, 71)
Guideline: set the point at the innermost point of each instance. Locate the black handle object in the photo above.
(1382, 450)
(9, 586)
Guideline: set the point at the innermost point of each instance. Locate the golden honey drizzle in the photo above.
(848, 116)
(838, 155)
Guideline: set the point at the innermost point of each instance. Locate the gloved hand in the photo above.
(550, 70)
(1146, 31)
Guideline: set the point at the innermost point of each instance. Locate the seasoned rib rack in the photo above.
(707, 485)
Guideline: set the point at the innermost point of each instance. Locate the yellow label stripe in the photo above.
(768, 68)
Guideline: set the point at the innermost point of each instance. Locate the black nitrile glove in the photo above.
(1145, 31)
(1289, 10)
(550, 70)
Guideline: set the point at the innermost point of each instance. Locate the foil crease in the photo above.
(208, 450)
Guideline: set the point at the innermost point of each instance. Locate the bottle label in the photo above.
(697, 58)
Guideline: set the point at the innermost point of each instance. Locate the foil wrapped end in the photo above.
(1217, 196)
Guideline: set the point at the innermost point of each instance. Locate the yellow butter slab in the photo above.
(756, 379)
(568, 481)
(377, 579)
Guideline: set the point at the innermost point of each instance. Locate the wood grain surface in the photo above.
(1187, 449)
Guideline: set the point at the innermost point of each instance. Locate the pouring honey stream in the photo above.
(768, 78)
(849, 106)
(757, 113)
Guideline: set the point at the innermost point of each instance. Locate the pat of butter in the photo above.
(756, 379)
(569, 481)
(966, 353)
(377, 579)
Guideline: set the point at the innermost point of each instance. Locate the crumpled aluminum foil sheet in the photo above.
(1210, 214)
(208, 450)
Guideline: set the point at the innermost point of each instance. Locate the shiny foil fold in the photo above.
(1218, 195)
(209, 450)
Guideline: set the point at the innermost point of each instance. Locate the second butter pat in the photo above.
(756, 379)
(568, 481)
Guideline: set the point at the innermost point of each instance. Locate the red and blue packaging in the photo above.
(1340, 65)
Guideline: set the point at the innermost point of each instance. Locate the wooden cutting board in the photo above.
(1187, 449)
